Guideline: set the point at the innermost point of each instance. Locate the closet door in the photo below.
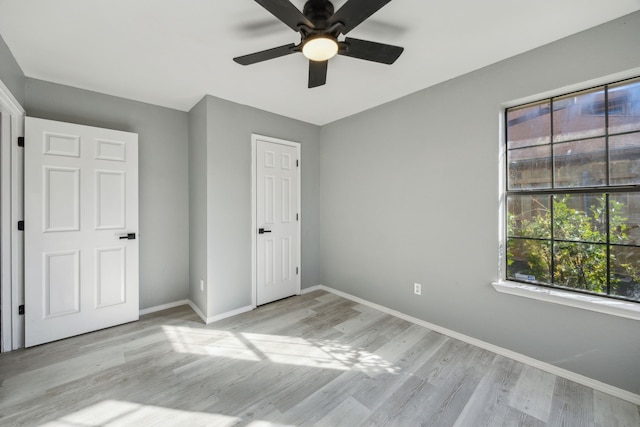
(81, 220)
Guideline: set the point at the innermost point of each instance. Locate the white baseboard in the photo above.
(314, 288)
(217, 317)
(196, 310)
(547, 367)
(228, 314)
(163, 307)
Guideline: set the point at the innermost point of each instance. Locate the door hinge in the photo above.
(21, 141)
(297, 163)
(21, 309)
(296, 270)
(21, 225)
(297, 217)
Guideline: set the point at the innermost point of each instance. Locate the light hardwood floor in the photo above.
(311, 360)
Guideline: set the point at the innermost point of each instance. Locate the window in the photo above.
(573, 191)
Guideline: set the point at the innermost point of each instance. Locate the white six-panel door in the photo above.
(81, 200)
(277, 220)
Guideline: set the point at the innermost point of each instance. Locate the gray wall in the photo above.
(198, 204)
(409, 193)
(10, 73)
(229, 129)
(163, 176)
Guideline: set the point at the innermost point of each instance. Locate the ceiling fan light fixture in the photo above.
(320, 48)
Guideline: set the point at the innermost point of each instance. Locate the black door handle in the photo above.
(130, 236)
(262, 231)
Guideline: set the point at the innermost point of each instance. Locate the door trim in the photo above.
(11, 261)
(254, 213)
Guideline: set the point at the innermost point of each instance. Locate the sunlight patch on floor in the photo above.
(329, 354)
(324, 354)
(112, 413)
(208, 342)
(262, 423)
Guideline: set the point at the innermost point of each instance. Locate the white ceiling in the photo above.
(173, 52)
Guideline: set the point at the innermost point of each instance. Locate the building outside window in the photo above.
(573, 191)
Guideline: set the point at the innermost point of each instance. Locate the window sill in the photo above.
(630, 310)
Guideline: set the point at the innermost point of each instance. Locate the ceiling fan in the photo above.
(319, 28)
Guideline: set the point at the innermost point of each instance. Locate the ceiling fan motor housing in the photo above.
(318, 12)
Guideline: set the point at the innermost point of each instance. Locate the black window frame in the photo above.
(609, 107)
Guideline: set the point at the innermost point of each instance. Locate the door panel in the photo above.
(61, 283)
(110, 283)
(81, 196)
(110, 200)
(277, 193)
(61, 199)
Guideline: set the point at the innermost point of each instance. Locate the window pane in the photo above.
(529, 216)
(624, 218)
(624, 159)
(579, 115)
(529, 260)
(529, 168)
(529, 125)
(580, 163)
(624, 106)
(625, 272)
(580, 217)
(581, 266)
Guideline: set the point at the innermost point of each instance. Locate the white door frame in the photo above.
(254, 213)
(11, 210)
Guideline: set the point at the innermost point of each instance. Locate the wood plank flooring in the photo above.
(310, 360)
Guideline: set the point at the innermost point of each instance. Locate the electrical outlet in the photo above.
(417, 288)
(201, 285)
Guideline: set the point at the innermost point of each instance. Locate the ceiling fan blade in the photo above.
(353, 12)
(265, 55)
(285, 11)
(370, 51)
(317, 73)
